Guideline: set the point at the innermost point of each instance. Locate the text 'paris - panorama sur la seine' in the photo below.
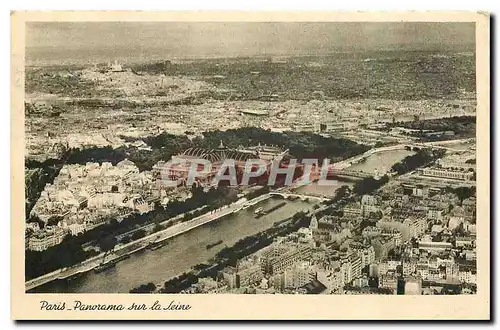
(80, 306)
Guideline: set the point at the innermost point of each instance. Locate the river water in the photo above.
(382, 162)
(189, 249)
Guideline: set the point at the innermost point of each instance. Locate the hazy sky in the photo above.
(192, 39)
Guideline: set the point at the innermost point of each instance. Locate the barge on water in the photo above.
(211, 245)
(103, 267)
(261, 212)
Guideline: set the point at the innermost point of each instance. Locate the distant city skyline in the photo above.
(208, 39)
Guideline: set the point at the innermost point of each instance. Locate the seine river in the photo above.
(382, 161)
(189, 249)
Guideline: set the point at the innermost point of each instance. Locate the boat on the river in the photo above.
(211, 245)
(258, 211)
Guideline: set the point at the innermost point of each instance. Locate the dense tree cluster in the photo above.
(66, 254)
(462, 126)
(163, 146)
(144, 288)
(107, 244)
(300, 144)
(412, 162)
(340, 194)
(369, 185)
(35, 182)
(138, 234)
(462, 192)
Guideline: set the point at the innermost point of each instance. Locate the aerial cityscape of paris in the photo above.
(250, 158)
